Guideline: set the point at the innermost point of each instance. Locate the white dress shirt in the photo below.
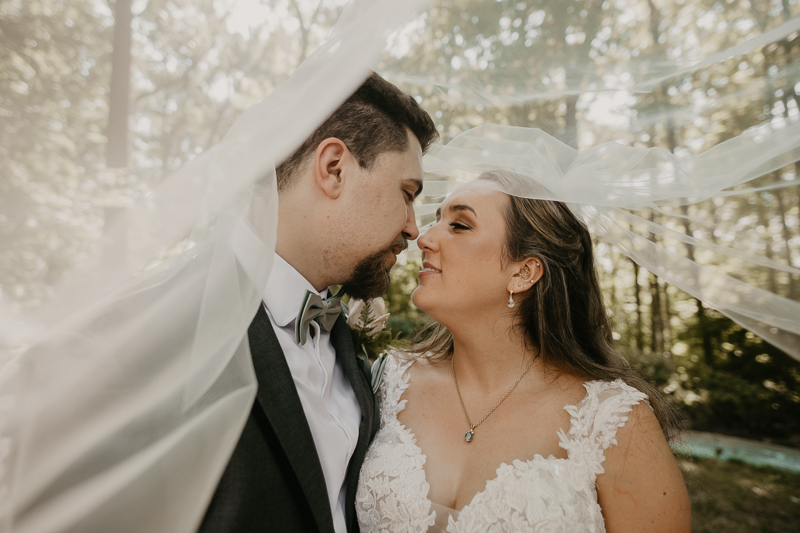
(329, 402)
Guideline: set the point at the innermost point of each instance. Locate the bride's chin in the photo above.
(415, 299)
(428, 304)
(420, 300)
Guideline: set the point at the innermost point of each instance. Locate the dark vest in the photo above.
(274, 481)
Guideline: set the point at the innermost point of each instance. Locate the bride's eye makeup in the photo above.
(458, 225)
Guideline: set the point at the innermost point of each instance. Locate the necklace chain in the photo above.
(470, 433)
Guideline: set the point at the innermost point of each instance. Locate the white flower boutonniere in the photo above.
(369, 316)
(367, 321)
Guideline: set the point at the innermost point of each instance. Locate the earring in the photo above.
(511, 298)
(525, 273)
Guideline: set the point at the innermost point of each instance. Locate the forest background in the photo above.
(99, 101)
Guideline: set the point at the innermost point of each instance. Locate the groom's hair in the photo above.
(372, 121)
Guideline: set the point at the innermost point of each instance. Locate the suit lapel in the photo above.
(278, 397)
(345, 354)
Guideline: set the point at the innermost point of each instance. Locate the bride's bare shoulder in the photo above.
(428, 370)
(427, 379)
(560, 388)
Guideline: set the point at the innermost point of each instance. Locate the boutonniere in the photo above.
(367, 321)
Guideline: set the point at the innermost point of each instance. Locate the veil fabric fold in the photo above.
(615, 189)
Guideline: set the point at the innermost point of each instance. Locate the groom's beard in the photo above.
(371, 277)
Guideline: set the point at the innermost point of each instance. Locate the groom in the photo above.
(345, 212)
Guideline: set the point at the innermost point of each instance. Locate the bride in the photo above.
(517, 413)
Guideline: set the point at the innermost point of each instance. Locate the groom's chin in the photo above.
(390, 259)
(368, 285)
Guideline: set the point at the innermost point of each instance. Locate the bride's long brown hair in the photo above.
(562, 316)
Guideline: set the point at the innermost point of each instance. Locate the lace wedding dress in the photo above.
(542, 494)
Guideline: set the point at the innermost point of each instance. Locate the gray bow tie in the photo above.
(324, 311)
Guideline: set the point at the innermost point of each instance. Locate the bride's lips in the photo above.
(428, 270)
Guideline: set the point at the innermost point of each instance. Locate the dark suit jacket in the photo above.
(274, 481)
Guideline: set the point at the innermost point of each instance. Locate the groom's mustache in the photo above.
(400, 243)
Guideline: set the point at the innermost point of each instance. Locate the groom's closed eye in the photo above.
(413, 188)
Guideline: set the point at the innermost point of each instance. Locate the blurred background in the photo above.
(101, 100)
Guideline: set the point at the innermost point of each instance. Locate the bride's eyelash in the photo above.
(456, 225)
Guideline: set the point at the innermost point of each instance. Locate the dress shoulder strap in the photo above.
(393, 384)
(596, 419)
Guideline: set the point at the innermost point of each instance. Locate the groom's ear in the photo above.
(329, 164)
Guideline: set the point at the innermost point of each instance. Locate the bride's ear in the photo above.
(329, 164)
(526, 276)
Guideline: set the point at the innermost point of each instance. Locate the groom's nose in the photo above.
(410, 230)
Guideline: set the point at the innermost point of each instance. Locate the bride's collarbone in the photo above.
(456, 471)
(523, 428)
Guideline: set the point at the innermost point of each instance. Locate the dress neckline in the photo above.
(502, 470)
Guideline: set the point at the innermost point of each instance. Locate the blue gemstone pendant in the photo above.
(468, 436)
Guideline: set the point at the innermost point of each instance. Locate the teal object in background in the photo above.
(725, 448)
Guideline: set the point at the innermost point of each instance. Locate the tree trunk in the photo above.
(762, 211)
(708, 347)
(120, 91)
(639, 333)
(594, 11)
(797, 175)
(656, 317)
(668, 340)
(656, 314)
(571, 122)
(613, 300)
(787, 251)
(702, 323)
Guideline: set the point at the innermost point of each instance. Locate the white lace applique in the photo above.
(392, 490)
(542, 494)
(595, 420)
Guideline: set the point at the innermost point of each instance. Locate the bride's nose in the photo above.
(426, 241)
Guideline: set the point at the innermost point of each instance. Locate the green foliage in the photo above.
(739, 498)
(655, 368)
(749, 387)
(405, 318)
(371, 342)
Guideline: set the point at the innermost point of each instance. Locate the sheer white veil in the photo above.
(125, 384)
(614, 189)
(123, 394)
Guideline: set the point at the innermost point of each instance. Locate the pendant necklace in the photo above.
(471, 433)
